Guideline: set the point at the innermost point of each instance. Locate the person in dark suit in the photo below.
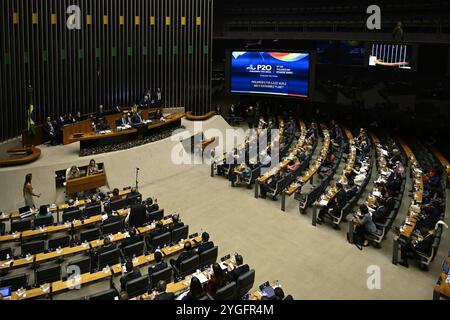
(99, 114)
(271, 184)
(206, 244)
(160, 264)
(239, 269)
(123, 120)
(111, 218)
(134, 193)
(279, 295)
(136, 118)
(423, 245)
(132, 273)
(341, 194)
(102, 125)
(188, 253)
(352, 189)
(431, 216)
(132, 239)
(107, 246)
(161, 293)
(51, 131)
(159, 230)
(137, 216)
(176, 223)
(152, 206)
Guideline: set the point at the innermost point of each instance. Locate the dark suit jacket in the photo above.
(236, 273)
(138, 215)
(341, 195)
(205, 246)
(157, 268)
(152, 208)
(136, 119)
(166, 296)
(184, 256)
(128, 277)
(174, 226)
(157, 232)
(47, 129)
(111, 219)
(131, 240)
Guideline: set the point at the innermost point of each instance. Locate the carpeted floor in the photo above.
(310, 262)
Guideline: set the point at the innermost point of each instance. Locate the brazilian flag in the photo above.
(31, 127)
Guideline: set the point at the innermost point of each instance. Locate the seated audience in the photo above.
(206, 244)
(195, 290)
(159, 263)
(92, 168)
(72, 173)
(132, 273)
(216, 281)
(186, 254)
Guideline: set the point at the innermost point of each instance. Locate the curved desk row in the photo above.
(206, 116)
(20, 156)
(92, 138)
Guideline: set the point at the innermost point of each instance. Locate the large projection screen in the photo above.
(273, 73)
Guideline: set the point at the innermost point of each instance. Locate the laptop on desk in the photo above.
(78, 135)
(25, 212)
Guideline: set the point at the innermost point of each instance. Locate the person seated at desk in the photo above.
(159, 263)
(159, 115)
(116, 195)
(79, 117)
(159, 230)
(234, 272)
(50, 131)
(72, 173)
(152, 205)
(352, 189)
(123, 121)
(332, 209)
(132, 238)
(99, 114)
(137, 216)
(244, 173)
(70, 119)
(176, 223)
(294, 164)
(364, 224)
(112, 218)
(206, 244)
(92, 168)
(136, 118)
(132, 273)
(215, 281)
(271, 184)
(107, 246)
(422, 244)
(279, 295)
(43, 213)
(145, 102)
(94, 201)
(195, 290)
(430, 216)
(186, 254)
(102, 125)
(161, 292)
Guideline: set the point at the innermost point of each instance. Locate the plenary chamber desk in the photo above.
(94, 139)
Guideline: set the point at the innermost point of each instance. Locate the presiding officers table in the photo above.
(92, 139)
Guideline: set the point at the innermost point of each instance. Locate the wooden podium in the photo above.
(85, 183)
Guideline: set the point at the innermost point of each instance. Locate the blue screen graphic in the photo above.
(277, 73)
